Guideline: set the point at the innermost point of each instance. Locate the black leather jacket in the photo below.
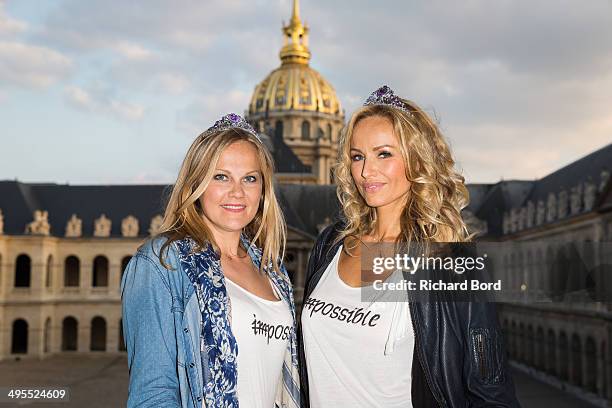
(459, 356)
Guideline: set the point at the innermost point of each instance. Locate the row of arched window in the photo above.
(306, 133)
(70, 328)
(569, 358)
(561, 269)
(72, 271)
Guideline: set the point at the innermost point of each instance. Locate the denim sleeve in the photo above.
(148, 327)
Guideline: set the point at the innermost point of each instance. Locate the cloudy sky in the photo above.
(113, 92)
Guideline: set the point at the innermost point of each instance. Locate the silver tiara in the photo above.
(385, 96)
(231, 121)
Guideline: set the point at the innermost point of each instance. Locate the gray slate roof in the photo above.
(304, 206)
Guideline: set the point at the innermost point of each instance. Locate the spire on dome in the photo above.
(295, 39)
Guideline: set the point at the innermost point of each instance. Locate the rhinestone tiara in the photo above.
(385, 96)
(230, 121)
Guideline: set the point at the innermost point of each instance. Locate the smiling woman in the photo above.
(233, 195)
(212, 283)
(396, 183)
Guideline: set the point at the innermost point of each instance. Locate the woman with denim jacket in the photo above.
(396, 184)
(208, 312)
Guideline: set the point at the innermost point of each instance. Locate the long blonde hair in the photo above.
(184, 217)
(437, 191)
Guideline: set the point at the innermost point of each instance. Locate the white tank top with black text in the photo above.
(261, 328)
(358, 353)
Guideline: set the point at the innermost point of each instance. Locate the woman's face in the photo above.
(231, 199)
(377, 166)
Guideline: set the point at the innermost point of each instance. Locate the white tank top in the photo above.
(358, 354)
(261, 328)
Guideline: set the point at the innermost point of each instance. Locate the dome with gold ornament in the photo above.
(295, 85)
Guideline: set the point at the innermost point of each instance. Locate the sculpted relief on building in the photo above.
(74, 227)
(102, 227)
(40, 225)
(129, 227)
(155, 225)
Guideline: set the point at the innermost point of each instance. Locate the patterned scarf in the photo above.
(217, 342)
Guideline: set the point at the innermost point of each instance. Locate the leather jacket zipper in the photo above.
(421, 359)
(479, 346)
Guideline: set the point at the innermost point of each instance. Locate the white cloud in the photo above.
(487, 153)
(133, 51)
(205, 110)
(24, 64)
(100, 103)
(8, 25)
(520, 86)
(30, 65)
(126, 110)
(172, 83)
(79, 97)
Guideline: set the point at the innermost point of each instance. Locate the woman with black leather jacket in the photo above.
(396, 183)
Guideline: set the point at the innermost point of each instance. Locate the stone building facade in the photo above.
(61, 268)
(559, 328)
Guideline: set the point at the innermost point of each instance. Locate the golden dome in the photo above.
(294, 85)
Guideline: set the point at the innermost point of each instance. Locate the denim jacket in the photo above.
(161, 326)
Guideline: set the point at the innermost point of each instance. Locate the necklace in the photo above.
(231, 257)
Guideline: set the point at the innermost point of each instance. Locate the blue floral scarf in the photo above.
(218, 344)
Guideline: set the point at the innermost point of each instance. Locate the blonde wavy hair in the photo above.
(437, 191)
(184, 216)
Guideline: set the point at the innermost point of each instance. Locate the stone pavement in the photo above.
(101, 381)
(535, 394)
(96, 381)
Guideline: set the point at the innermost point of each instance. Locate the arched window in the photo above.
(98, 334)
(23, 271)
(506, 335)
(530, 346)
(551, 355)
(563, 357)
(513, 341)
(521, 355)
(49, 272)
(562, 270)
(305, 130)
(72, 271)
(47, 336)
(603, 356)
(329, 131)
(69, 334)
(121, 340)
(19, 340)
(549, 272)
(529, 275)
(320, 134)
(590, 349)
(576, 360)
(278, 129)
(124, 263)
(541, 357)
(100, 271)
(539, 270)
